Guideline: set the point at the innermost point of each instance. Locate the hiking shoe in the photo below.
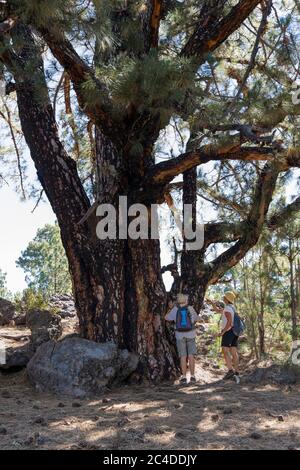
(230, 374)
(183, 381)
(193, 380)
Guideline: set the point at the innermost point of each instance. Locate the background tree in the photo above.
(127, 69)
(45, 263)
(266, 282)
(3, 289)
(290, 248)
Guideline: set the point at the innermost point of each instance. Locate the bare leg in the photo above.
(227, 357)
(183, 365)
(235, 358)
(192, 365)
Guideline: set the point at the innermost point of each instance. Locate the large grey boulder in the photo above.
(7, 312)
(79, 368)
(44, 326)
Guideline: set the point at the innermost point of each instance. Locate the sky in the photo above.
(18, 227)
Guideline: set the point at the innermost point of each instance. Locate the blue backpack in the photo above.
(238, 324)
(183, 320)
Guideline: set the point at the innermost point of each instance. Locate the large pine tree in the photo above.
(223, 68)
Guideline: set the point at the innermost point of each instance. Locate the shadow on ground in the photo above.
(213, 415)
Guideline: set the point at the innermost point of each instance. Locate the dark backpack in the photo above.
(238, 324)
(183, 319)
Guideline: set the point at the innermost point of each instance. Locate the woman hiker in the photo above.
(229, 338)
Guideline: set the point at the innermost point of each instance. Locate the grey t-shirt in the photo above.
(171, 316)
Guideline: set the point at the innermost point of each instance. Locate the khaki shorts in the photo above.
(186, 346)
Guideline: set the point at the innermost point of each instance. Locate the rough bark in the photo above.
(118, 287)
(206, 39)
(192, 261)
(145, 306)
(59, 178)
(151, 22)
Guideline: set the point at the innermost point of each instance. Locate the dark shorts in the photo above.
(229, 339)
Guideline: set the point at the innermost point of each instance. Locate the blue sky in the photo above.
(18, 227)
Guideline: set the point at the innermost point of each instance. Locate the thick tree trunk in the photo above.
(58, 176)
(145, 306)
(143, 295)
(117, 284)
(118, 287)
(192, 261)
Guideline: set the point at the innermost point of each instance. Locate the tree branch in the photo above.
(17, 151)
(80, 74)
(253, 226)
(246, 132)
(151, 23)
(205, 40)
(163, 173)
(266, 10)
(281, 217)
(223, 232)
(225, 201)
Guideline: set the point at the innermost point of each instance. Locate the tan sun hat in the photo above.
(230, 296)
(182, 298)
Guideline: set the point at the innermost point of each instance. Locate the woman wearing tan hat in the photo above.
(229, 339)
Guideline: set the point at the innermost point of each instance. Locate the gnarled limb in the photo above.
(253, 226)
(205, 40)
(163, 173)
(223, 232)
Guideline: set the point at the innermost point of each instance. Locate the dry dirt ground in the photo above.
(211, 414)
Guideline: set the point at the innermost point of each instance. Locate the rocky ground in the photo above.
(211, 414)
(263, 412)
